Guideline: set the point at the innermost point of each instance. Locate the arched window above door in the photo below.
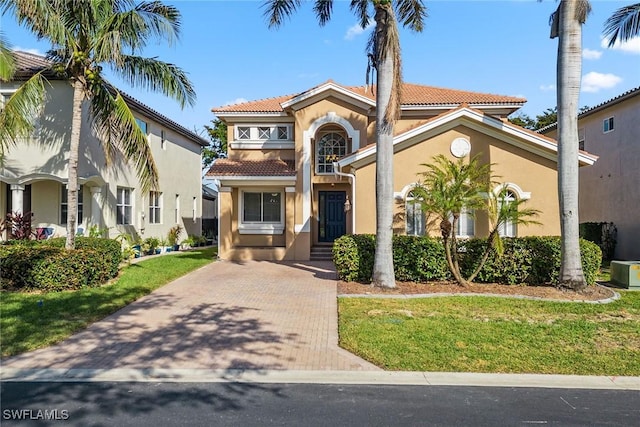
(330, 147)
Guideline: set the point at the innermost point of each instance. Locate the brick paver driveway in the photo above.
(253, 315)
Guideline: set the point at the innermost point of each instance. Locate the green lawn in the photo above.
(31, 321)
(484, 334)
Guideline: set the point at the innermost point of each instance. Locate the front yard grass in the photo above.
(485, 334)
(30, 320)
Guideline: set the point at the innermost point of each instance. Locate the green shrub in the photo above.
(526, 260)
(353, 257)
(46, 265)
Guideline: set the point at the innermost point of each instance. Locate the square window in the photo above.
(262, 207)
(264, 133)
(143, 125)
(283, 132)
(244, 132)
(607, 125)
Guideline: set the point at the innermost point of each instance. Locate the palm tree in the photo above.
(385, 57)
(623, 25)
(450, 188)
(566, 24)
(84, 37)
(19, 113)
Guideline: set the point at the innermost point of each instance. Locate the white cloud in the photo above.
(235, 101)
(547, 88)
(591, 54)
(631, 46)
(356, 30)
(593, 82)
(32, 51)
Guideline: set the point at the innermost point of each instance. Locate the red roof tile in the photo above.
(230, 168)
(412, 95)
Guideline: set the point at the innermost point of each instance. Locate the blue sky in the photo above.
(500, 47)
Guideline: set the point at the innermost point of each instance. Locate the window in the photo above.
(244, 132)
(283, 132)
(508, 228)
(330, 148)
(64, 206)
(194, 209)
(155, 208)
(415, 216)
(607, 125)
(142, 124)
(262, 207)
(163, 140)
(123, 206)
(581, 134)
(466, 224)
(264, 132)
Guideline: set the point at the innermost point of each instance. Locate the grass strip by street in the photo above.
(29, 321)
(497, 335)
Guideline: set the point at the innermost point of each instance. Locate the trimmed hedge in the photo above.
(529, 260)
(48, 266)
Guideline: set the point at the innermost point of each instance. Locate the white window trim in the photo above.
(159, 207)
(256, 143)
(163, 139)
(317, 155)
(606, 121)
(469, 215)
(261, 227)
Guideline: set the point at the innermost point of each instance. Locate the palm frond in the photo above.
(7, 61)
(20, 113)
(361, 10)
(157, 76)
(117, 128)
(411, 14)
(161, 21)
(39, 16)
(388, 43)
(323, 9)
(276, 10)
(623, 25)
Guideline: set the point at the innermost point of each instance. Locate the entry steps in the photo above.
(321, 253)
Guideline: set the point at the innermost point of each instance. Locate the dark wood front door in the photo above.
(333, 220)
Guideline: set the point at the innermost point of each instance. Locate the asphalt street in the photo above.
(254, 404)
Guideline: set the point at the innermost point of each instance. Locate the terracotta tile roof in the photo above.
(231, 168)
(412, 95)
(27, 64)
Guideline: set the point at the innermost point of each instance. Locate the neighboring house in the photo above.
(301, 168)
(610, 190)
(209, 212)
(33, 176)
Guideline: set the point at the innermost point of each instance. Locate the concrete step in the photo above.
(321, 253)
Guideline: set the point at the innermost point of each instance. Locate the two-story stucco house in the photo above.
(34, 174)
(301, 168)
(610, 189)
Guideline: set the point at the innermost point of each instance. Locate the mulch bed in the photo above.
(591, 293)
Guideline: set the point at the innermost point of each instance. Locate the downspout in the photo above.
(337, 170)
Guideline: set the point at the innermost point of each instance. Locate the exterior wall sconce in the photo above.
(347, 205)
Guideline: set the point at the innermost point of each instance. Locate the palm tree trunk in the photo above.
(74, 148)
(569, 69)
(383, 271)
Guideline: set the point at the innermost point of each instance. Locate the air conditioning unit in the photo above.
(626, 274)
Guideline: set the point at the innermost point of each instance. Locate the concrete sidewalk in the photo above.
(251, 322)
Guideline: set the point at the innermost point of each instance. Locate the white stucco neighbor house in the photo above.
(34, 173)
(610, 189)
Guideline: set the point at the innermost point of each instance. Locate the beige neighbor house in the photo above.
(33, 176)
(610, 189)
(301, 168)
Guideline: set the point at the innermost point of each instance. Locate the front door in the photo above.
(333, 220)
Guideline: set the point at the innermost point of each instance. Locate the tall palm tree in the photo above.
(385, 55)
(623, 25)
(566, 25)
(85, 36)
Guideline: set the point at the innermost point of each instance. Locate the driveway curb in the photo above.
(321, 377)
